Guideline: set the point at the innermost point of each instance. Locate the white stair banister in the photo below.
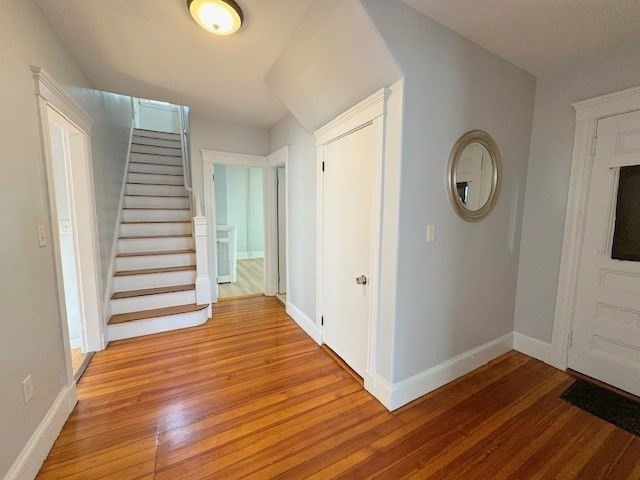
(203, 281)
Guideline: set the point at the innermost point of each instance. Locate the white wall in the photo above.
(31, 329)
(548, 182)
(157, 116)
(333, 60)
(226, 137)
(242, 207)
(302, 210)
(459, 292)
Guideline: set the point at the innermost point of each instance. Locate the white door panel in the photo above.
(606, 328)
(347, 222)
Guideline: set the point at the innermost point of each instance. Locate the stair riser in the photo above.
(152, 178)
(156, 202)
(159, 190)
(149, 134)
(143, 229)
(156, 150)
(156, 215)
(156, 159)
(148, 168)
(156, 142)
(154, 261)
(154, 244)
(149, 302)
(126, 283)
(157, 325)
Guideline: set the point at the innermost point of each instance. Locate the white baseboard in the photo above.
(558, 359)
(75, 342)
(532, 347)
(304, 322)
(28, 463)
(407, 390)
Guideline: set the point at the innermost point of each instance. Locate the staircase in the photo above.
(156, 272)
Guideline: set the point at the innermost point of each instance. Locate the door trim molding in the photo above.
(370, 111)
(215, 157)
(588, 114)
(274, 160)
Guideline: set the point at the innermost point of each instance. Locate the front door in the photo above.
(346, 241)
(606, 328)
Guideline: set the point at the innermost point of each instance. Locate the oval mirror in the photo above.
(474, 175)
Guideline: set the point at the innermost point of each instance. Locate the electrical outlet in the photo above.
(42, 236)
(431, 233)
(27, 389)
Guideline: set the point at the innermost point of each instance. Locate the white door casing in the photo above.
(282, 229)
(606, 327)
(371, 111)
(347, 218)
(588, 114)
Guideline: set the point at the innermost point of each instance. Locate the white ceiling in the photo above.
(154, 49)
(542, 36)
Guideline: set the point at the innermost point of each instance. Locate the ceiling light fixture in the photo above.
(222, 17)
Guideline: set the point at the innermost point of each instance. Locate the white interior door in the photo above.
(282, 237)
(606, 327)
(346, 241)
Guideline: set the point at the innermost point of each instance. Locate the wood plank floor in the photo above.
(249, 280)
(249, 395)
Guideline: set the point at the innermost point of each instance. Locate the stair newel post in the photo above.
(203, 282)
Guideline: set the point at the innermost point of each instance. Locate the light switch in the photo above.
(431, 233)
(42, 236)
(65, 227)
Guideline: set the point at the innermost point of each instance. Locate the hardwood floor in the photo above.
(77, 358)
(249, 395)
(250, 280)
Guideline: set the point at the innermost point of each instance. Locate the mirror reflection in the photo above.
(474, 176)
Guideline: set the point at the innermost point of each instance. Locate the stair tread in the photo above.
(155, 221)
(157, 312)
(157, 164)
(158, 196)
(140, 237)
(157, 154)
(158, 146)
(152, 291)
(164, 252)
(147, 271)
(155, 173)
(158, 184)
(153, 208)
(155, 131)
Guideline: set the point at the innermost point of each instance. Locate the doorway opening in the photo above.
(68, 158)
(240, 230)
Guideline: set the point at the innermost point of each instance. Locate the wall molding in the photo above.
(229, 158)
(304, 322)
(588, 114)
(532, 347)
(28, 463)
(47, 88)
(394, 396)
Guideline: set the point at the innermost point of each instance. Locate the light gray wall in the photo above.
(333, 60)
(30, 330)
(548, 182)
(302, 210)
(226, 137)
(112, 117)
(459, 292)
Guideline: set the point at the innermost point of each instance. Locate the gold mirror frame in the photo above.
(484, 139)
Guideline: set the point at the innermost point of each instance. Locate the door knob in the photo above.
(361, 280)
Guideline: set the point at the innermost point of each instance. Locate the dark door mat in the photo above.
(616, 409)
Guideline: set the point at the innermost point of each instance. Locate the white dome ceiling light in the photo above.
(222, 17)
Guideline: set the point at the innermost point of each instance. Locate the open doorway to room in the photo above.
(240, 230)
